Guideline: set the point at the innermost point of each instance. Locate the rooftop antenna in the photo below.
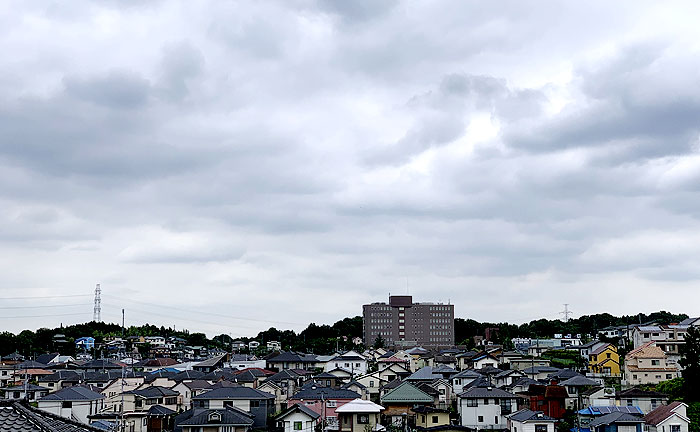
(566, 312)
(97, 311)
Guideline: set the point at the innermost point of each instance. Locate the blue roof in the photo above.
(602, 410)
(168, 369)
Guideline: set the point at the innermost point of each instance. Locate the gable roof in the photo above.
(153, 391)
(18, 416)
(423, 374)
(300, 408)
(636, 392)
(662, 413)
(615, 417)
(405, 392)
(211, 362)
(648, 350)
(314, 391)
(160, 410)
(487, 392)
(293, 357)
(237, 392)
(229, 416)
(579, 381)
(526, 415)
(73, 393)
(360, 406)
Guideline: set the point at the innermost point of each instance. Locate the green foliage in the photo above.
(673, 388)
(694, 416)
(690, 360)
(565, 359)
(379, 342)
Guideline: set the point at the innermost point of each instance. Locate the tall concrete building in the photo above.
(402, 323)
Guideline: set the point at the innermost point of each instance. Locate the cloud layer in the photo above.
(287, 162)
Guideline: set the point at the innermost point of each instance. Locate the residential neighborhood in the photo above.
(408, 382)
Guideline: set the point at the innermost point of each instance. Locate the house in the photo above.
(670, 338)
(463, 379)
(274, 346)
(190, 389)
(358, 388)
(323, 400)
(85, 344)
(76, 402)
(258, 403)
(486, 407)
(253, 345)
(524, 363)
(59, 379)
(648, 364)
(19, 416)
(604, 360)
(211, 364)
(550, 399)
(292, 360)
(327, 380)
(423, 374)
(349, 361)
(229, 419)
(507, 377)
(244, 361)
(646, 400)
(142, 399)
(154, 364)
(297, 418)
(526, 420)
(574, 388)
(372, 381)
(358, 416)
(400, 400)
(31, 392)
(540, 373)
(668, 418)
(282, 384)
(617, 422)
(430, 417)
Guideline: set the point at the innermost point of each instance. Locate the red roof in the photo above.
(661, 413)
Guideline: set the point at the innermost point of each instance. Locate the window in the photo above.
(675, 428)
(486, 401)
(435, 419)
(228, 404)
(371, 383)
(472, 402)
(255, 404)
(668, 376)
(481, 419)
(297, 425)
(654, 362)
(634, 376)
(495, 420)
(66, 404)
(331, 404)
(363, 419)
(15, 395)
(630, 402)
(540, 428)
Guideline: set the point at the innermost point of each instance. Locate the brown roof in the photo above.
(601, 349)
(648, 350)
(661, 413)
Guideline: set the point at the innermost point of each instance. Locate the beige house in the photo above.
(358, 416)
(648, 364)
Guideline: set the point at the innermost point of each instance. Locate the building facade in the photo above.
(401, 322)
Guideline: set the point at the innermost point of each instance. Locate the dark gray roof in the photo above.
(100, 364)
(61, 375)
(229, 416)
(424, 374)
(579, 381)
(197, 384)
(74, 393)
(238, 392)
(21, 417)
(314, 391)
(30, 364)
(211, 362)
(187, 375)
(615, 417)
(293, 357)
(487, 392)
(298, 407)
(526, 414)
(153, 392)
(21, 387)
(283, 376)
(467, 373)
(160, 410)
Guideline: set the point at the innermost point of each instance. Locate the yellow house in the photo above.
(604, 360)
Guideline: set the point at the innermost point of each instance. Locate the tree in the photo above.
(379, 342)
(690, 360)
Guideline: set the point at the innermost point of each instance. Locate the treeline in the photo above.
(318, 339)
(466, 329)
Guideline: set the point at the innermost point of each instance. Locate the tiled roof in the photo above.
(74, 393)
(648, 350)
(214, 361)
(405, 392)
(239, 392)
(20, 417)
(423, 374)
(298, 407)
(187, 375)
(290, 356)
(160, 410)
(229, 416)
(662, 413)
(615, 417)
(525, 415)
(153, 391)
(315, 392)
(636, 392)
(487, 392)
(579, 381)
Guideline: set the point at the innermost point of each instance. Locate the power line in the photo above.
(44, 306)
(41, 316)
(189, 310)
(45, 297)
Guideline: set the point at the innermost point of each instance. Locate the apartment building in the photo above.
(401, 322)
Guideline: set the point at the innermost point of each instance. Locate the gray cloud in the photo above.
(506, 158)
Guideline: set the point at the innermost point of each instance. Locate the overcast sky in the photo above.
(230, 166)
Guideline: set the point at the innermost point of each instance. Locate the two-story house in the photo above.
(486, 407)
(648, 364)
(358, 416)
(668, 418)
(76, 402)
(260, 404)
(526, 420)
(604, 360)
